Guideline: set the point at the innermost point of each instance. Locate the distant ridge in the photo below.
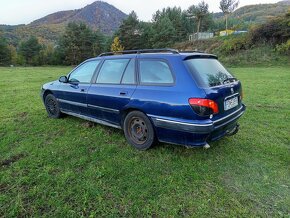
(106, 18)
(258, 13)
(98, 15)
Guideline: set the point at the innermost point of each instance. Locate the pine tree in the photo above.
(164, 33)
(178, 19)
(78, 43)
(130, 33)
(5, 56)
(30, 50)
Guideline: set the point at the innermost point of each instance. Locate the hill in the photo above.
(259, 13)
(106, 18)
(98, 15)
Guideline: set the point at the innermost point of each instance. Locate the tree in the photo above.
(78, 43)
(129, 32)
(116, 46)
(13, 54)
(147, 34)
(46, 55)
(192, 18)
(177, 18)
(164, 33)
(227, 7)
(30, 50)
(201, 11)
(5, 57)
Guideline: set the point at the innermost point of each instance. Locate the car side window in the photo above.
(155, 72)
(84, 73)
(112, 71)
(129, 74)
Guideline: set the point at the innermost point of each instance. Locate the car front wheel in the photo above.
(138, 130)
(52, 106)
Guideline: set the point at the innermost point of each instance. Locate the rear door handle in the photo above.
(123, 93)
(83, 90)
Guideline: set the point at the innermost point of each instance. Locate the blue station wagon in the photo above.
(163, 95)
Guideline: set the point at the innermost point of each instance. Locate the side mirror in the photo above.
(63, 79)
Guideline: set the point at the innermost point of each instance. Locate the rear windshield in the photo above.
(208, 72)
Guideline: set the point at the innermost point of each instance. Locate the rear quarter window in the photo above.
(208, 72)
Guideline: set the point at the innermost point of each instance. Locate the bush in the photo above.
(283, 48)
(275, 31)
(235, 44)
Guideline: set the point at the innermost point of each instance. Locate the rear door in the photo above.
(113, 88)
(218, 83)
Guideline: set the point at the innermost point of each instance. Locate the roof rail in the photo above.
(192, 51)
(140, 51)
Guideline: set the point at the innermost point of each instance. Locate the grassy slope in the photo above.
(258, 55)
(69, 167)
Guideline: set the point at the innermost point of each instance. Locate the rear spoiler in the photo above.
(193, 56)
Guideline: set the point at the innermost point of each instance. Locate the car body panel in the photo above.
(107, 101)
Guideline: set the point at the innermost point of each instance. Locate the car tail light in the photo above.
(203, 107)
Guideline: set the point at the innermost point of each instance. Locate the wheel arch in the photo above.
(126, 111)
(46, 92)
(130, 109)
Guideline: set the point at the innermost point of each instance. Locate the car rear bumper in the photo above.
(206, 130)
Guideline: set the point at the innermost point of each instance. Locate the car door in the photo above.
(112, 90)
(73, 96)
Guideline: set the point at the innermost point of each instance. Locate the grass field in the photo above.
(69, 167)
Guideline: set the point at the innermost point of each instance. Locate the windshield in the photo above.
(209, 72)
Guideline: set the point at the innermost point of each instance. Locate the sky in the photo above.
(14, 12)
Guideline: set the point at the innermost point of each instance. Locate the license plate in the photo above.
(231, 103)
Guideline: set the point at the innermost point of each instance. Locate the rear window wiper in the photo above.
(229, 80)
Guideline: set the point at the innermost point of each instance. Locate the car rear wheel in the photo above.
(138, 130)
(52, 106)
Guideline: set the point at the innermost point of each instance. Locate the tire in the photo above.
(138, 130)
(52, 107)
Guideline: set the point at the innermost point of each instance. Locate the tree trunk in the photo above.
(198, 27)
(226, 24)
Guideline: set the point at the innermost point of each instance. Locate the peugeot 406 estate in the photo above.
(163, 95)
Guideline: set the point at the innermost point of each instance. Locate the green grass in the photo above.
(68, 167)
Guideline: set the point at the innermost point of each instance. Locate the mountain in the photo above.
(98, 15)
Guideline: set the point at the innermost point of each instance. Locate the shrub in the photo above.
(235, 44)
(283, 48)
(275, 31)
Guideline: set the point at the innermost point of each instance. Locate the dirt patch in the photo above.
(21, 116)
(88, 124)
(11, 160)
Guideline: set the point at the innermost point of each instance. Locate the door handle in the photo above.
(83, 90)
(123, 93)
